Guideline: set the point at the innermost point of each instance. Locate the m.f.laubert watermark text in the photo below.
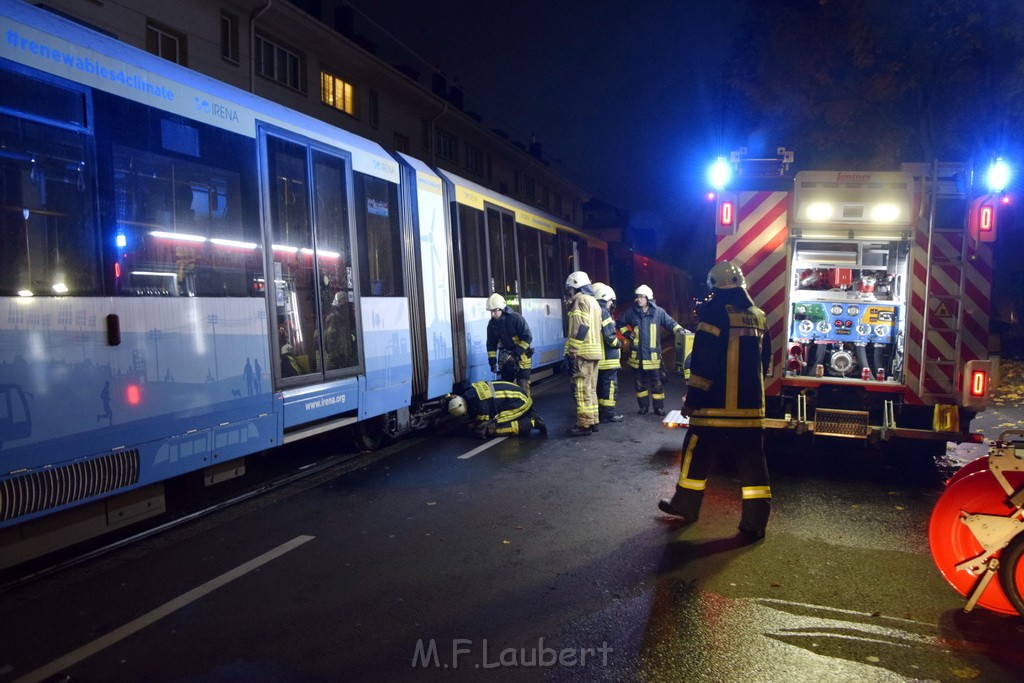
(467, 653)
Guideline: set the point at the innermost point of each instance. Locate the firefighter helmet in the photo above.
(495, 302)
(577, 280)
(603, 292)
(726, 275)
(457, 406)
(644, 290)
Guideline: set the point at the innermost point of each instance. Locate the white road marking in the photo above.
(481, 449)
(103, 642)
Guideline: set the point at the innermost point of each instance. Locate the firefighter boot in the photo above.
(538, 423)
(610, 416)
(665, 505)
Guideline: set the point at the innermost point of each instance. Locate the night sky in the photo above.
(625, 98)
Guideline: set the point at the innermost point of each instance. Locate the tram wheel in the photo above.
(1011, 572)
(369, 435)
(952, 542)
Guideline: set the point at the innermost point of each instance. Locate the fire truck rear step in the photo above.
(850, 424)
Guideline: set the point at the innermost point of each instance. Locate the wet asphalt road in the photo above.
(536, 558)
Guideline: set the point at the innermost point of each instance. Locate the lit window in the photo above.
(334, 92)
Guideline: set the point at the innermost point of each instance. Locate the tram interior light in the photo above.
(998, 176)
(720, 173)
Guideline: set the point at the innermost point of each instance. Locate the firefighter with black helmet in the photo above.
(608, 366)
(640, 324)
(725, 401)
(497, 409)
(508, 343)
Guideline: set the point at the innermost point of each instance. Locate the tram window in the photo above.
(380, 255)
(49, 243)
(474, 255)
(294, 288)
(337, 330)
(501, 236)
(549, 263)
(183, 204)
(529, 263)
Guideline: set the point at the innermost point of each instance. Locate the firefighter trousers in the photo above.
(607, 380)
(648, 384)
(746, 446)
(584, 383)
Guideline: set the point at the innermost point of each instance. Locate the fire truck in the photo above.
(876, 285)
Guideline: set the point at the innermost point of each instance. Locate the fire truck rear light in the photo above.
(975, 384)
(985, 219)
(726, 213)
(979, 383)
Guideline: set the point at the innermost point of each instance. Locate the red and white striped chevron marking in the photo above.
(759, 248)
(934, 318)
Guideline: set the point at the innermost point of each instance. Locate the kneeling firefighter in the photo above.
(508, 343)
(497, 409)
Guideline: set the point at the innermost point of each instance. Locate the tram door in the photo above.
(501, 239)
(311, 263)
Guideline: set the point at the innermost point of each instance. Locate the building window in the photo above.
(374, 109)
(337, 93)
(229, 37)
(558, 204)
(278, 64)
(545, 196)
(402, 144)
(163, 42)
(445, 146)
(525, 186)
(474, 160)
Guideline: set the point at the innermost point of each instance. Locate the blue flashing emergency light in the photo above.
(121, 241)
(998, 176)
(720, 173)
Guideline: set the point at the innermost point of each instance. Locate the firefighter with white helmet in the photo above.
(640, 324)
(725, 401)
(508, 343)
(497, 408)
(608, 366)
(583, 350)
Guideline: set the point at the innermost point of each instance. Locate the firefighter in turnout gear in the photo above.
(508, 343)
(583, 350)
(725, 401)
(497, 408)
(640, 325)
(607, 367)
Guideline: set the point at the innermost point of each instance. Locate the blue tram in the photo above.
(190, 274)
